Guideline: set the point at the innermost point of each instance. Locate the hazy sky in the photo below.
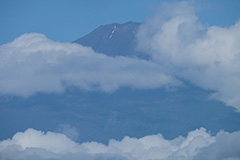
(64, 20)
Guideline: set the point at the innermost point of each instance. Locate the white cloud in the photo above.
(198, 144)
(32, 63)
(207, 56)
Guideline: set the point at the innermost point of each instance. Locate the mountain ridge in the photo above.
(114, 40)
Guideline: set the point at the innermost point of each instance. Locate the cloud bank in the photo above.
(32, 63)
(208, 56)
(198, 144)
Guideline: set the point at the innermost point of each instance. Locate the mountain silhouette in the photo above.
(114, 40)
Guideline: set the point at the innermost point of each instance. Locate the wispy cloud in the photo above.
(198, 144)
(208, 56)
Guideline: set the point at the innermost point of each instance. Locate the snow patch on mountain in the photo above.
(114, 29)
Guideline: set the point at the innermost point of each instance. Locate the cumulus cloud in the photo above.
(208, 56)
(198, 144)
(32, 63)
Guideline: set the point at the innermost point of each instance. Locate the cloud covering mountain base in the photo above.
(32, 63)
(198, 144)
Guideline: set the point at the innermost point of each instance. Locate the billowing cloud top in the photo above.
(206, 56)
(198, 144)
(32, 63)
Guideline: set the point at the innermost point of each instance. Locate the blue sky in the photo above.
(63, 20)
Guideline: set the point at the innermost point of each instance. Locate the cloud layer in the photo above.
(198, 144)
(32, 63)
(206, 56)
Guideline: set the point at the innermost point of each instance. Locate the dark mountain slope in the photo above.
(113, 39)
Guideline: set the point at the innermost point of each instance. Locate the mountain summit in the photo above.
(113, 40)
